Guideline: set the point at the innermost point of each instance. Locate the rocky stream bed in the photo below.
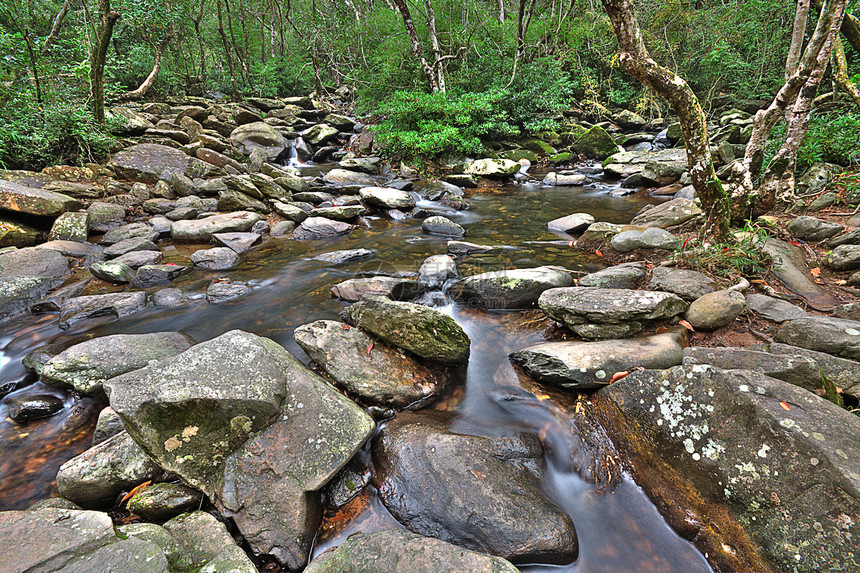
(248, 344)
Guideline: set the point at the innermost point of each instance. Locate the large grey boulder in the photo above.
(779, 462)
(667, 214)
(321, 227)
(161, 501)
(836, 336)
(384, 375)
(808, 228)
(480, 493)
(715, 309)
(518, 288)
(650, 238)
(125, 232)
(438, 225)
(87, 365)
(29, 201)
(590, 365)
(797, 370)
(201, 230)
(346, 177)
(627, 275)
(773, 309)
(258, 135)
(687, 284)
(150, 162)
(398, 551)
(387, 198)
(26, 275)
(423, 331)
(843, 258)
(392, 287)
(215, 259)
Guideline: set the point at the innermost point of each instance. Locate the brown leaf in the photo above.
(478, 474)
(816, 272)
(134, 491)
(785, 406)
(687, 325)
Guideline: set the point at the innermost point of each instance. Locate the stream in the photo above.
(619, 528)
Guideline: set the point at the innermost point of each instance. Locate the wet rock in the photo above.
(103, 472)
(208, 544)
(27, 407)
(129, 245)
(687, 284)
(438, 225)
(460, 248)
(215, 259)
(238, 242)
(222, 291)
(347, 484)
(337, 257)
(162, 501)
(149, 162)
(595, 143)
(398, 551)
(137, 259)
(518, 288)
(669, 214)
(340, 212)
(26, 275)
(840, 371)
(345, 177)
(608, 313)
(17, 234)
(573, 224)
(201, 230)
(320, 133)
(493, 168)
(132, 230)
(626, 276)
(715, 309)
(27, 200)
(283, 228)
(108, 425)
(320, 228)
(436, 270)
(112, 272)
(808, 228)
(797, 370)
(117, 305)
(258, 135)
(590, 365)
(169, 297)
(87, 365)
(387, 198)
(554, 179)
(54, 503)
(176, 558)
(386, 376)
(843, 258)
(730, 454)
(597, 234)
(71, 227)
(423, 331)
(773, 309)
(478, 492)
(835, 336)
(392, 287)
(651, 238)
(150, 275)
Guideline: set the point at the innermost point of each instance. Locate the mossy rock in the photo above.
(595, 143)
(538, 146)
(517, 154)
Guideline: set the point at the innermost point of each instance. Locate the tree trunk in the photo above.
(798, 33)
(416, 44)
(107, 20)
(438, 68)
(501, 11)
(671, 87)
(140, 92)
(200, 43)
(55, 27)
(227, 50)
(850, 27)
(841, 73)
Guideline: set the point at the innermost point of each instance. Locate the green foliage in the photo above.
(730, 261)
(429, 125)
(284, 76)
(832, 137)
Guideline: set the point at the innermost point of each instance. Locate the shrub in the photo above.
(832, 137)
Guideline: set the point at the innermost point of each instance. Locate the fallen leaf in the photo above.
(842, 282)
(785, 406)
(618, 376)
(369, 348)
(478, 474)
(598, 253)
(816, 272)
(687, 325)
(346, 326)
(134, 491)
(758, 282)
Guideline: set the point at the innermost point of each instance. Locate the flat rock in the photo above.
(346, 177)
(687, 284)
(493, 168)
(149, 162)
(320, 228)
(789, 265)
(392, 287)
(112, 272)
(668, 214)
(208, 544)
(238, 242)
(438, 225)
(835, 336)
(338, 257)
(129, 245)
(387, 198)
(797, 370)
(215, 259)
(460, 248)
(20, 199)
(117, 305)
(151, 275)
(137, 259)
(201, 230)
(132, 230)
(808, 228)
(573, 224)
(221, 291)
(26, 275)
(842, 372)
(580, 305)
(627, 276)
(773, 309)
(517, 288)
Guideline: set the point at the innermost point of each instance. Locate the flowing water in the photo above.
(618, 528)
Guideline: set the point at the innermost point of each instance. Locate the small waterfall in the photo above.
(297, 154)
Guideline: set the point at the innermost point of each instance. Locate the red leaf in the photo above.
(369, 348)
(785, 406)
(618, 376)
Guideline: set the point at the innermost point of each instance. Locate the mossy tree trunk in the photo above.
(671, 87)
(107, 20)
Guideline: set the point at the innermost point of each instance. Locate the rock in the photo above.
(493, 168)
(282, 228)
(74, 249)
(320, 228)
(87, 365)
(460, 248)
(222, 291)
(107, 426)
(386, 198)
(651, 238)
(337, 257)
(258, 135)
(590, 365)
(340, 213)
(162, 501)
(808, 228)
(208, 544)
(16, 234)
(169, 297)
(174, 553)
(345, 177)
(553, 179)
(725, 438)
(773, 309)
(201, 230)
(92, 306)
(130, 245)
(135, 123)
(438, 225)
(386, 376)
(835, 336)
(151, 275)
(840, 371)
(668, 214)
(518, 288)
(817, 177)
(797, 370)
(158, 206)
(23, 408)
(595, 143)
(789, 265)
(392, 287)
(608, 313)
(27, 200)
(237, 242)
(436, 270)
(26, 275)
(629, 120)
(130, 231)
(715, 309)
(496, 506)
(215, 259)
(843, 258)
(626, 276)
(112, 272)
(850, 311)
(149, 162)
(235, 201)
(573, 224)
(687, 284)
(71, 227)
(398, 551)
(847, 238)
(423, 331)
(106, 470)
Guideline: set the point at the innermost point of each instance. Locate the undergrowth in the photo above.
(729, 261)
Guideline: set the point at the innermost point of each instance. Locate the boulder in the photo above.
(836, 336)
(480, 493)
(112, 271)
(221, 291)
(16, 234)
(345, 177)
(130, 245)
(151, 275)
(626, 276)
(769, 467)
(108, 425)
(668, 214)
(337, 257)
(590, 365)
(162, 501)
(72, 227)
(235, 201)
(392, 287)
(208, 544)
(29, 201)
(201, 230)
(573, 224)
(423, 331)
(87, 365)
(842, 372)
(651, 238)
(808, 228)
(789, 265)
(797, 370)
(215, 259)
(843, 258)
(169, 297)
(461, 248)
(321, 227)
(595, 143)
(387, 198)
(258, 135)
(715, 309)
(130, 231)
(384, 376)
(687, 284)
(553, 179)
(149, 162)
(436, 270)
(518, 288)
(319, 134)
(493, 168)
(118, 305)
(398, 551)
(238, 242)
(26, 275)
(24, 407)
(773, 309)
(438, 225)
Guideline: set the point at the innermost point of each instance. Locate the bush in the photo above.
(430, 125)
(832, 137)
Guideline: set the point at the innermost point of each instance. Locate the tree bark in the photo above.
(416, 44)
(55, 27)
(850, 27)
(438, 68)
(141, 91)
(671, 87)
(107, 20)
(841, 73)
(801, 16)
(200, 43)
(501, 11)
(227, 50)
